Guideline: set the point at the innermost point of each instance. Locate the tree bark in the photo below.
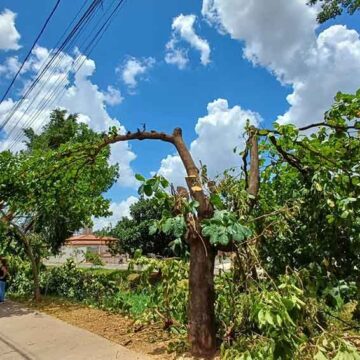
(254, 176)
(29, 251)
(202, 331)
(34, 269)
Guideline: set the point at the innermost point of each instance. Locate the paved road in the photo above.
(25, 334)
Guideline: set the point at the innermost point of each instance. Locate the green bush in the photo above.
(272, 319)
(93, 258)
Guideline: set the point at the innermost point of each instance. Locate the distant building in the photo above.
(78, 245)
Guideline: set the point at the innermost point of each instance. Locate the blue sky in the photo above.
(257, 58)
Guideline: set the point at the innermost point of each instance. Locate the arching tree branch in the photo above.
(289, 158)
(192, 179)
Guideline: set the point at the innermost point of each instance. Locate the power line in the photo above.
(45, 74)
(29, 52)
(59, 88)
(77, 64)
(83, 20)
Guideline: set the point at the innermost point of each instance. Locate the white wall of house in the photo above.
(66, 252)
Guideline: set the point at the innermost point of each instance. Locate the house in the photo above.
(78, 245)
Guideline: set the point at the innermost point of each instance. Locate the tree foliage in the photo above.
(53, 187)
(134, 232)
(56, 184)
(304, 221)
(314, 198)
(332, 8)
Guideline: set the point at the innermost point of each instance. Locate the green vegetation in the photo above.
(93, 258)
(291, 317)
(332, 8)
(52, 188)
(133, 232)
(290, 218)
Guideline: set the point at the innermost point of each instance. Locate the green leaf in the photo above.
(318, 187)
(139, 177)
(215, 199)
(164, 182)
(148, 191)
(330, 203)
(320, 356)
(263, 132)
(153, 229)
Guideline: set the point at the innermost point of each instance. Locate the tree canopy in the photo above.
(310, 186)
(53, 187)
(133, 232)
(57, 183)
(332, 8)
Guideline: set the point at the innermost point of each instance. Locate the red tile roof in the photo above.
(89, 239)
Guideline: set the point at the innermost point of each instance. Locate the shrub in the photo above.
(93, 258)
(272, 319)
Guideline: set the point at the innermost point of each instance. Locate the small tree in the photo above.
(54, 187)
(133, 232)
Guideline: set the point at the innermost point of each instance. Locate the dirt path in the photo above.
(31, 335)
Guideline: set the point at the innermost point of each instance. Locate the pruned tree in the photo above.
(208, 226)
(203, 249)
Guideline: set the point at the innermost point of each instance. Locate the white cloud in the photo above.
(135, 69)
(79, 95)
(335, 66)
(218, 133)
(113, 96)
(10, 66)
(183, 28)
(9, 36)
(119, 210)
(280, 35)
(173, 169)
(175, 55)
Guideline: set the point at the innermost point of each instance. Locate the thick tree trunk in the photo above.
(36, 278)
(202, 334)
(35, 271)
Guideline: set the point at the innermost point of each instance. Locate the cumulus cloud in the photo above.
(218, 133)
(79, 95)
(134, 69)
(9, 36)
(335, 66)
(183, 29)
(113, 96)
(175, 55)
(281, 36)
(10, 66)
(119, 210)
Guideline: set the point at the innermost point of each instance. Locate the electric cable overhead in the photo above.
(44, 74)
(30, 51)
(55, 55)
(40, 101)
(59, 88)
(48, 64)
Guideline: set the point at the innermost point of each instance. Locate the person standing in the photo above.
(3, 276)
